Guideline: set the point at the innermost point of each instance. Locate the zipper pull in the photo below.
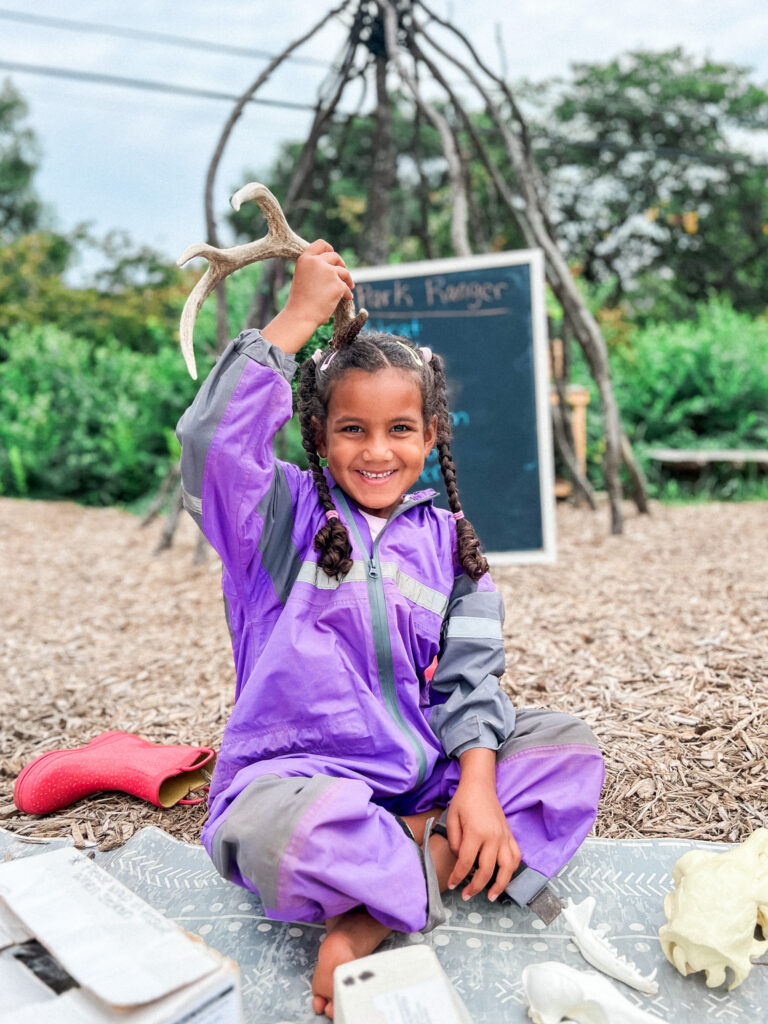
(373, 570)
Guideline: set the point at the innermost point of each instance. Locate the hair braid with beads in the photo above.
(332, 540)
(372, 351)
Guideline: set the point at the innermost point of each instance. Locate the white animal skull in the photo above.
(557, 992)
(720, 899)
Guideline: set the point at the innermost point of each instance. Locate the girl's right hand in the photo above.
(321, 279)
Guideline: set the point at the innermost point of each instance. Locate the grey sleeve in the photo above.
(477, 712)
(200, 423)
(230, 482)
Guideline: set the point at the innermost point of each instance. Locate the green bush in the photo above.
(695, 384)
(91, 423)
(95, 423)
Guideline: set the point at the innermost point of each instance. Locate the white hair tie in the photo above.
(318, 356)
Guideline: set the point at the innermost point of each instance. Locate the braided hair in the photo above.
(372, 351)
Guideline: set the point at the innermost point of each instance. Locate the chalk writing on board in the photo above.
(396, 294)
(404, 328)
(439, 293)
(432, 474)
(472, 294)
(480, 317)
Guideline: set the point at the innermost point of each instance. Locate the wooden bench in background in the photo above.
(695, 458)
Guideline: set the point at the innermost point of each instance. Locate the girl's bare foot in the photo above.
(348, 937)
(354, 934)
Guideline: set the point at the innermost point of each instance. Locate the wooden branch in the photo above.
(170, 480)
(323, 115)
(213, 166)
(383, 175)
(638, 482)
(459, 217)
(423, 186)
(171, 522)
(695, 458)
(517, 114)
(583, 488)
(262, 305)
(494, 172)
(563, 434)
(582, 322)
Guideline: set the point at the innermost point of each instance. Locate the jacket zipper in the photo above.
(381, 638)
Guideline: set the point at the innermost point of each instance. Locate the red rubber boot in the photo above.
(161, 774)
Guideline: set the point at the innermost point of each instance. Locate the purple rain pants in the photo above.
(314, 840)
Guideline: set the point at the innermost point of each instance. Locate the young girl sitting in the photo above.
(341, 588)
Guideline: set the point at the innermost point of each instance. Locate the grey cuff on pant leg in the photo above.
(435, 910)
(525, 885)
(530, 889)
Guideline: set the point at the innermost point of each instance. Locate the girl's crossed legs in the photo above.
(320, 848)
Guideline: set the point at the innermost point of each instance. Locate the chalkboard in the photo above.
(485, 316)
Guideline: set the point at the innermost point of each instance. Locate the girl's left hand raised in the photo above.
(478, 830)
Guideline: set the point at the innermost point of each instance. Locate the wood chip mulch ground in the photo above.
(658, 638)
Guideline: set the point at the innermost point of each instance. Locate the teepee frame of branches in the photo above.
(407, 39)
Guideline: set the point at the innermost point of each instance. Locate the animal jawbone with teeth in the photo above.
(597, 951)
(720, 899)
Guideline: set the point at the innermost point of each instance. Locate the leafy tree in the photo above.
(19, 206)
(335, 201)
(136, 299)
(646, 177)
(647, 185)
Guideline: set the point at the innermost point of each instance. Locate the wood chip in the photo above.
(657, 638)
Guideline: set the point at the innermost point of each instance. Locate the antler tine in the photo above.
(279, 242)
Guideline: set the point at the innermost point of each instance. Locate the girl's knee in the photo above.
(539, 728)
(250, 844)
(316, 847)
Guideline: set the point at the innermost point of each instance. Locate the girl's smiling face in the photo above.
(374, 437)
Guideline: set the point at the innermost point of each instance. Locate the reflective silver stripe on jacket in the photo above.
(191, 503)
(199, 423)
(473, 626)
(411, 589)
(476, 712)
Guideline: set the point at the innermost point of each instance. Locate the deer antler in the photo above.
(279, 242)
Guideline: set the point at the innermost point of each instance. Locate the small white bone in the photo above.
(556, 992)
(596, 949)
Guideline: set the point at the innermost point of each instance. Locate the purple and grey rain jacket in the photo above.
(335, 728)
(327, 669)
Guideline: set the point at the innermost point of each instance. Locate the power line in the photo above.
(152, 37)
(142, 83)
(555, 142)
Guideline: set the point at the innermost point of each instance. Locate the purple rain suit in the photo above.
(335, 729)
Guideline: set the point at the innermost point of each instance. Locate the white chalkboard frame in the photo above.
(534, 258)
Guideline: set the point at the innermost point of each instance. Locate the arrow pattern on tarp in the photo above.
(483, 947)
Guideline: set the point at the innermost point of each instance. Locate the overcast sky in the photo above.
(133, 159)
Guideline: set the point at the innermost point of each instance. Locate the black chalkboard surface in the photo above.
(485, 316)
